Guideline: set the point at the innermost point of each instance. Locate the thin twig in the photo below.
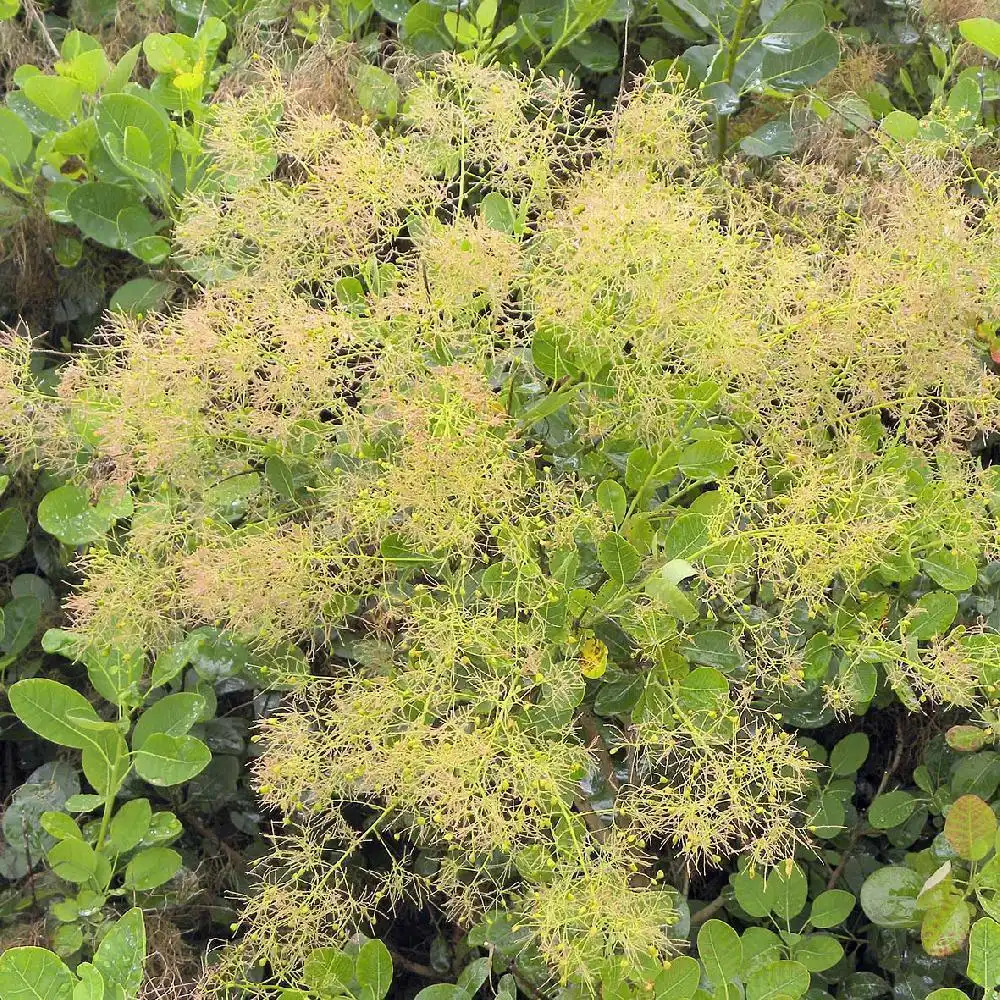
(206, 833)
(708, 910)
(35, 14)
(621, 86)
(859, 827)
(424, 971)
(595, 741)
(590, 818)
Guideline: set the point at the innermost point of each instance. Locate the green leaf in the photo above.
(778, 980)
(760, 947)
(89, 67)
(165, 827)
(73, 860)
(109, 214)
(91, 985)
(849, 754)
(787, 890)
(472, 977)
(66, 940)
(76, 43)
(461, 28)
(817, 952)
(148, 248)
(54, 95)
(983, 32)
(858, 680)
(442, 991)
(129, 825)
(965, 101)
(231, 498)
(984, 953)
(793, 26)
(773, 138)
(16, 142)
(970, 827)
(679, 980)
(901, 125)
(174, 715)
(831, 908)
(704, 690)
(889, 896)
(951, 570)
(39, 123)
(169, 760)
(596, 51)
(216, 655)
(9, 9)
(279, 477)
(122, 72)
(708, 459)
(977, 774)
(826, 816)
(373, 970)
(931, 615)
(710, 647)
(84, 803)
(61, 826)
(66, 513)
(751, 893)
(662, 587)
(486, 14)
(548, 350)
(13, 530)
(19, 622)
(392, 11)
(151, 868)
(611, 498)
(891, 809)
(106, 762)
(498, 212)
(140, 296)
(121, 955)
(167, 53)
(54, 711)
(618, 558)
(34, 974)
(67, 250)
(172, 661)
(328, 971)
(423, 28)
(720, 951)
(937, 888)
(116, 674)
(376, 91)
(802, 66)
(547, 405)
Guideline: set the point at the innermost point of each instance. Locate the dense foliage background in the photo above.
(499, 499)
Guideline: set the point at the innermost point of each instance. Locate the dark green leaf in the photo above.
(802, 66)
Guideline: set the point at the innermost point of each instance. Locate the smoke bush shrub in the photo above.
(581, 470)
